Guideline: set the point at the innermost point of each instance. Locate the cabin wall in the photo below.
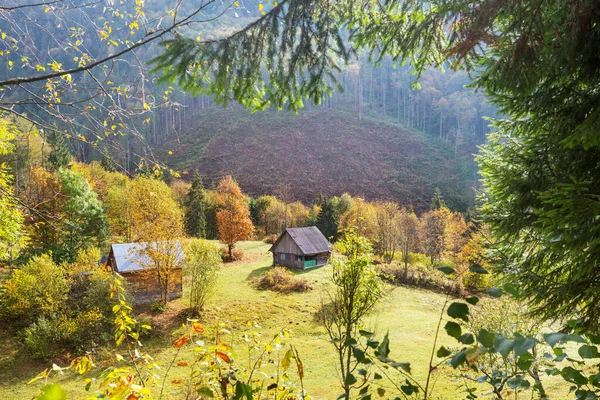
(287, 245)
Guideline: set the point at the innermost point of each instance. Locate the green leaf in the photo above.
(478, 269)
(572, 375)
(495, 292)
(443, 352)
(458, 359)
(52, 391)
(593, 338)
(587, 351)
(384, 348)
(522, 345)
(205, 391)
(446, 270)
(472, 300)
(381, 392)
(402, 365)
(360, 356)
(525, 361)
(486, 338)
(366, 334)
(242, 391)
(511, 289)
(459, 310)
(518, 382)
(467, 338)
(503, 345)
(453, 329)
(350, 379)
(554, 338)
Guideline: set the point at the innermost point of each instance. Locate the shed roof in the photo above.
(309, 239)
(129, 256)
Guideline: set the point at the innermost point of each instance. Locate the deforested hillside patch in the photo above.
(320, 151)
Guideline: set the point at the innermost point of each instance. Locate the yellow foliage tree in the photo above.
(361, 218)
(233, 216)
(156, 218)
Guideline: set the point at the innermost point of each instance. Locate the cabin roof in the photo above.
(129, 258)
(309, 239)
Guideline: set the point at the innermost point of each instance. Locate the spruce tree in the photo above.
(327, 220)
(437, 201)
(60, 156)
(195, 209)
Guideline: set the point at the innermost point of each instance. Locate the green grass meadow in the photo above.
(410, 315)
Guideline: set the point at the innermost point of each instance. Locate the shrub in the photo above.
(97, 293)
(236, 255)
(37, 289)
(270, 239)
(425, 278)
(203, 264)
(280, 279)
(42, 338)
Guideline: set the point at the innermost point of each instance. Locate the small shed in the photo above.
(301, 248)
(131, 261)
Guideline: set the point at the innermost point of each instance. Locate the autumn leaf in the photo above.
(176, 381)
(224, 357)
(182, 364)
(181, 341)
(197, 327)
(133, 396)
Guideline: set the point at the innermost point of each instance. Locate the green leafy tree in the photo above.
(195, 209)
(203, 264)
(84, 220)
(356, 291)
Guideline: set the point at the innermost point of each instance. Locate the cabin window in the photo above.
(299, 258)
(282, 256)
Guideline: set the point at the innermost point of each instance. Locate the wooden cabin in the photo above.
(132, 262)
(301, 248)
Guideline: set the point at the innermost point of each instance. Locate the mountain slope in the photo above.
(319, 151)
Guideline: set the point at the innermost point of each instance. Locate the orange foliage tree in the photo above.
(233, 216)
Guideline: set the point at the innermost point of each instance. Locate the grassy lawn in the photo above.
(410, 316)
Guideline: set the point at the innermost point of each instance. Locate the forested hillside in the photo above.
(319, 151)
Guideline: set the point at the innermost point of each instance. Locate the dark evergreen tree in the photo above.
(60, 156)
(195, 209)
(327, 220)
(437, 201)
(210, 214)
(107, 163)
(254, 212)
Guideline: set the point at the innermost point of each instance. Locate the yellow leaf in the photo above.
(260, 6)
(170, 153)
(236, 4)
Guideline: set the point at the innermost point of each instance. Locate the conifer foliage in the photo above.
(195, 209)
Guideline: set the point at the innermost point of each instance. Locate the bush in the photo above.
(42, 338)
(270, 239)
(421, 277)
(280, 279)
(203, 264)
(237, 255)
(37, 289)
(49, 337)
